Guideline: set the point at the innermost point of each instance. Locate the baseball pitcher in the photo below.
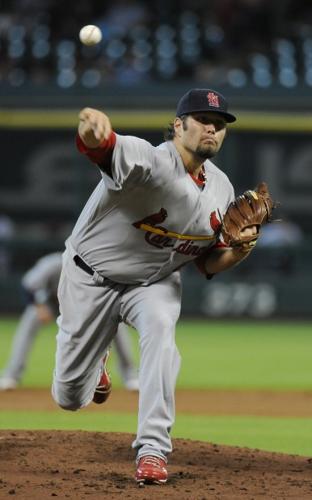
(154, 210)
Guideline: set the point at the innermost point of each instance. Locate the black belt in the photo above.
(106, 281)
(81, 263)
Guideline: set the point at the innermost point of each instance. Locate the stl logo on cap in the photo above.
(213, 99)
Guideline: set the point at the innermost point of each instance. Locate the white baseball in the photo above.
(90, 35)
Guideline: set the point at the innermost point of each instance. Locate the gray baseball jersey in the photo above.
(150, 218)
(43, 278)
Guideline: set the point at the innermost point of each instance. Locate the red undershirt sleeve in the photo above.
(102, 155)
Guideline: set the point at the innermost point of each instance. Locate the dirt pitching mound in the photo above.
(83, 465)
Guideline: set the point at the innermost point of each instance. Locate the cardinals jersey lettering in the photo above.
(159, 218)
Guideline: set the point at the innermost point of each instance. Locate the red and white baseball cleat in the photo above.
(104, 387)
(151, 470)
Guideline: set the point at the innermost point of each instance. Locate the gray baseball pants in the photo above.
(26, 333)
(24, 337)
(91, 309)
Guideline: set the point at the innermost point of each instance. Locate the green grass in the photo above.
(215, 355)
(287, 435)
(247, 355)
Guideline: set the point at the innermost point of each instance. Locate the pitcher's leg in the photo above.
(154, 311)
(76, 375)
(88, 321)
(159, 367)
(126, 365)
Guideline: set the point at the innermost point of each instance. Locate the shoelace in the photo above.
(156, 461)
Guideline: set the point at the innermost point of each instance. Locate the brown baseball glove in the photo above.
(252, 208)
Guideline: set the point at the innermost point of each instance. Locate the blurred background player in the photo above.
(7, 233)
(40, 289)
